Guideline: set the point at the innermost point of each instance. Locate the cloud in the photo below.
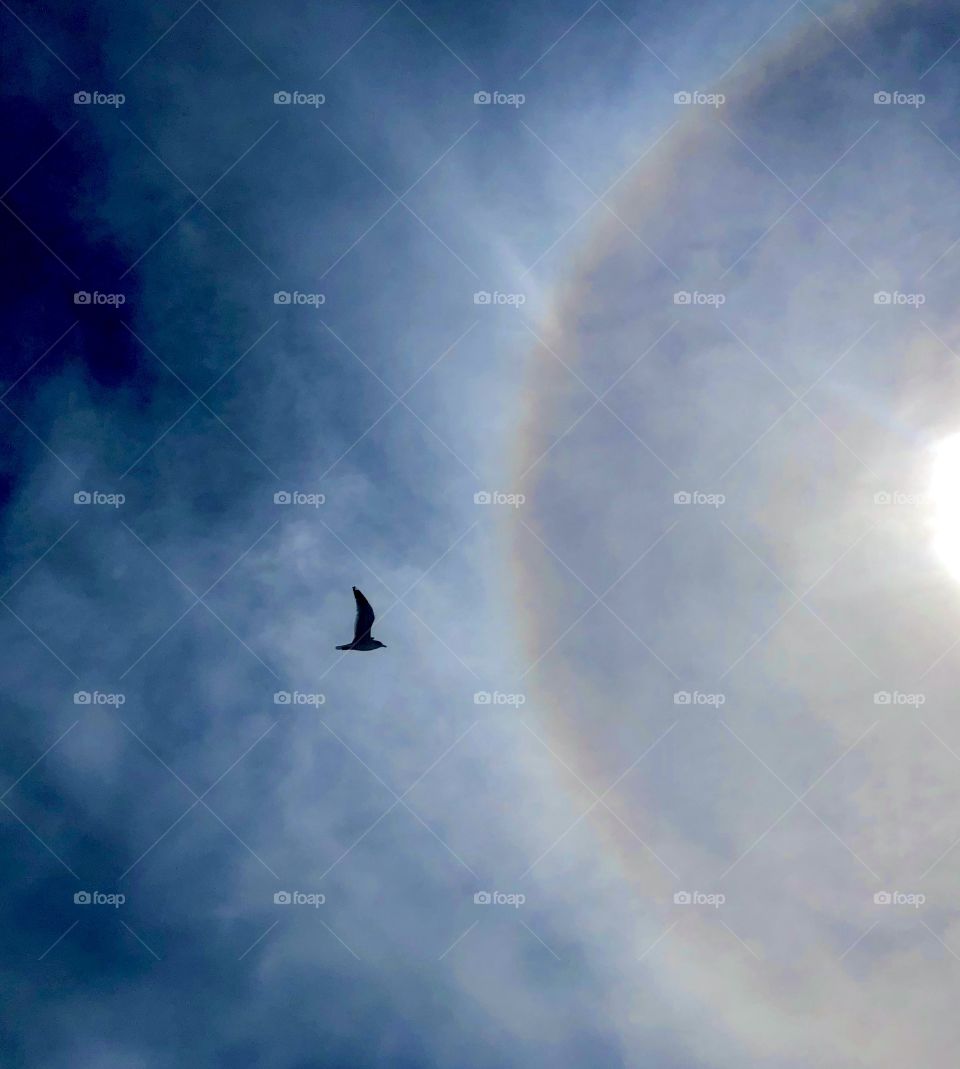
(798, 598)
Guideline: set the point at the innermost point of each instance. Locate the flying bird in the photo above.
(362, 639)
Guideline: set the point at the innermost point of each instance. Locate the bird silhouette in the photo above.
(362, 639)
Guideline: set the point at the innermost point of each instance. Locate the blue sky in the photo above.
(721, 321)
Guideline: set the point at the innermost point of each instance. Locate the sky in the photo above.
(610, 349)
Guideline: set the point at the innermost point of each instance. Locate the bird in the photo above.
(362, 639)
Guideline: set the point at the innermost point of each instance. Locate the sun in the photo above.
(945, 500)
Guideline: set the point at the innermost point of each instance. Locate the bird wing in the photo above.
(365, 617)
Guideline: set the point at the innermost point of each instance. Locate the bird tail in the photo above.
(343, 647)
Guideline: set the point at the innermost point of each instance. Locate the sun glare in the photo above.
(945, 498)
